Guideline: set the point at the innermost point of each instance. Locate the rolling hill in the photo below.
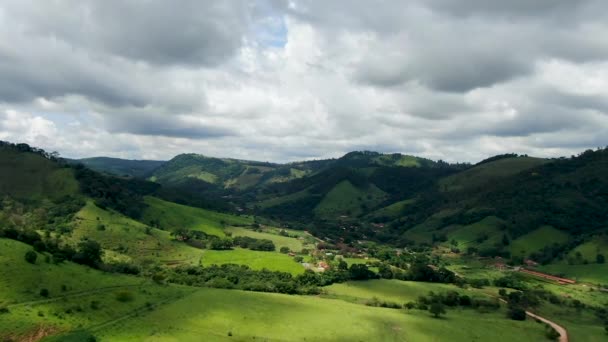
(121, 167)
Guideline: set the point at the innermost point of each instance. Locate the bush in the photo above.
(31, 256)
(552, 334)
(284, 250)
(437, 309)
(516, 314)
(3, 310)
(124, 296)
(44, 293)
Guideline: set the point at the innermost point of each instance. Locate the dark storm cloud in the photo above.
(185, 32)
(164, 125)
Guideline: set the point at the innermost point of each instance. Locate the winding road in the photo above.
(563, 334)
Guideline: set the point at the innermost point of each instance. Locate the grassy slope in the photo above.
(65, 310)
(274, 201)
(127, 239)
(171, 215)
(294, 244)
(346, 199)
(591, 273)
(589, 250)
(390, 290)
(28, 175)
(214, 313)
(466, 235)
(488, 172)
(537, 239)
(393, 210)
(257, 260)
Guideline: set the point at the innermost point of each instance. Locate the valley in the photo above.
(366, 247)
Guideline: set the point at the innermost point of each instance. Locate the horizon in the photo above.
(284, 81)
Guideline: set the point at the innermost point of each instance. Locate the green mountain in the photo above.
(121, 167)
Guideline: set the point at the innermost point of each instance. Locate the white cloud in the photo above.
(263, 80)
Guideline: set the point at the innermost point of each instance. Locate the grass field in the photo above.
(393, 210)
(591, 273)
(171, 215)
(537, 239)
(392, 290)
(589, 250)
(467, 235)
(71, 288)
(256, 260)
(225, 315)
(293, 244)
(346, 199)
(127, 239)
(176, 313)
(274, 201)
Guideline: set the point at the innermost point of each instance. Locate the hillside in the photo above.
(121, 167)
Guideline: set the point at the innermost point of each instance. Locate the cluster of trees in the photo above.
(201, 240)
(87, 252)
(27, 148)
(436, 303)
(121, 194)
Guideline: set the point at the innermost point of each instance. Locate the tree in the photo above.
(600, 259)
(342, 265)
(89, 253)
(31, 256)
(360, 272)
(437, 309)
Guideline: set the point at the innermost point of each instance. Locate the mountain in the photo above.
(121, 167)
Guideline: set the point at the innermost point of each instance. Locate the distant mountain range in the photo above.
(495, 207)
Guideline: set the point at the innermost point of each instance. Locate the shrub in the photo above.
(3, 310)
(44, 293)
(552, 334)
(94, 305)
(124, 296)
(284, 250)
(437, 309)
(516, 314)
(31, 256)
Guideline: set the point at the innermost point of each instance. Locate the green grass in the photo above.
(171, 215)
(293, 244)
(256, 260)
(71, 287)
(274, 201)
(393, 210)
(478, 176)
(392, 290)
(126, 239)
(214, 314)
(590, 249)
(537, 239)
(346, 199)
(467, 235)
(591, 273)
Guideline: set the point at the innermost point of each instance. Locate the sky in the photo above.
(280, 81)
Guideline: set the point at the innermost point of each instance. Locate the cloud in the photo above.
(281, 81)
